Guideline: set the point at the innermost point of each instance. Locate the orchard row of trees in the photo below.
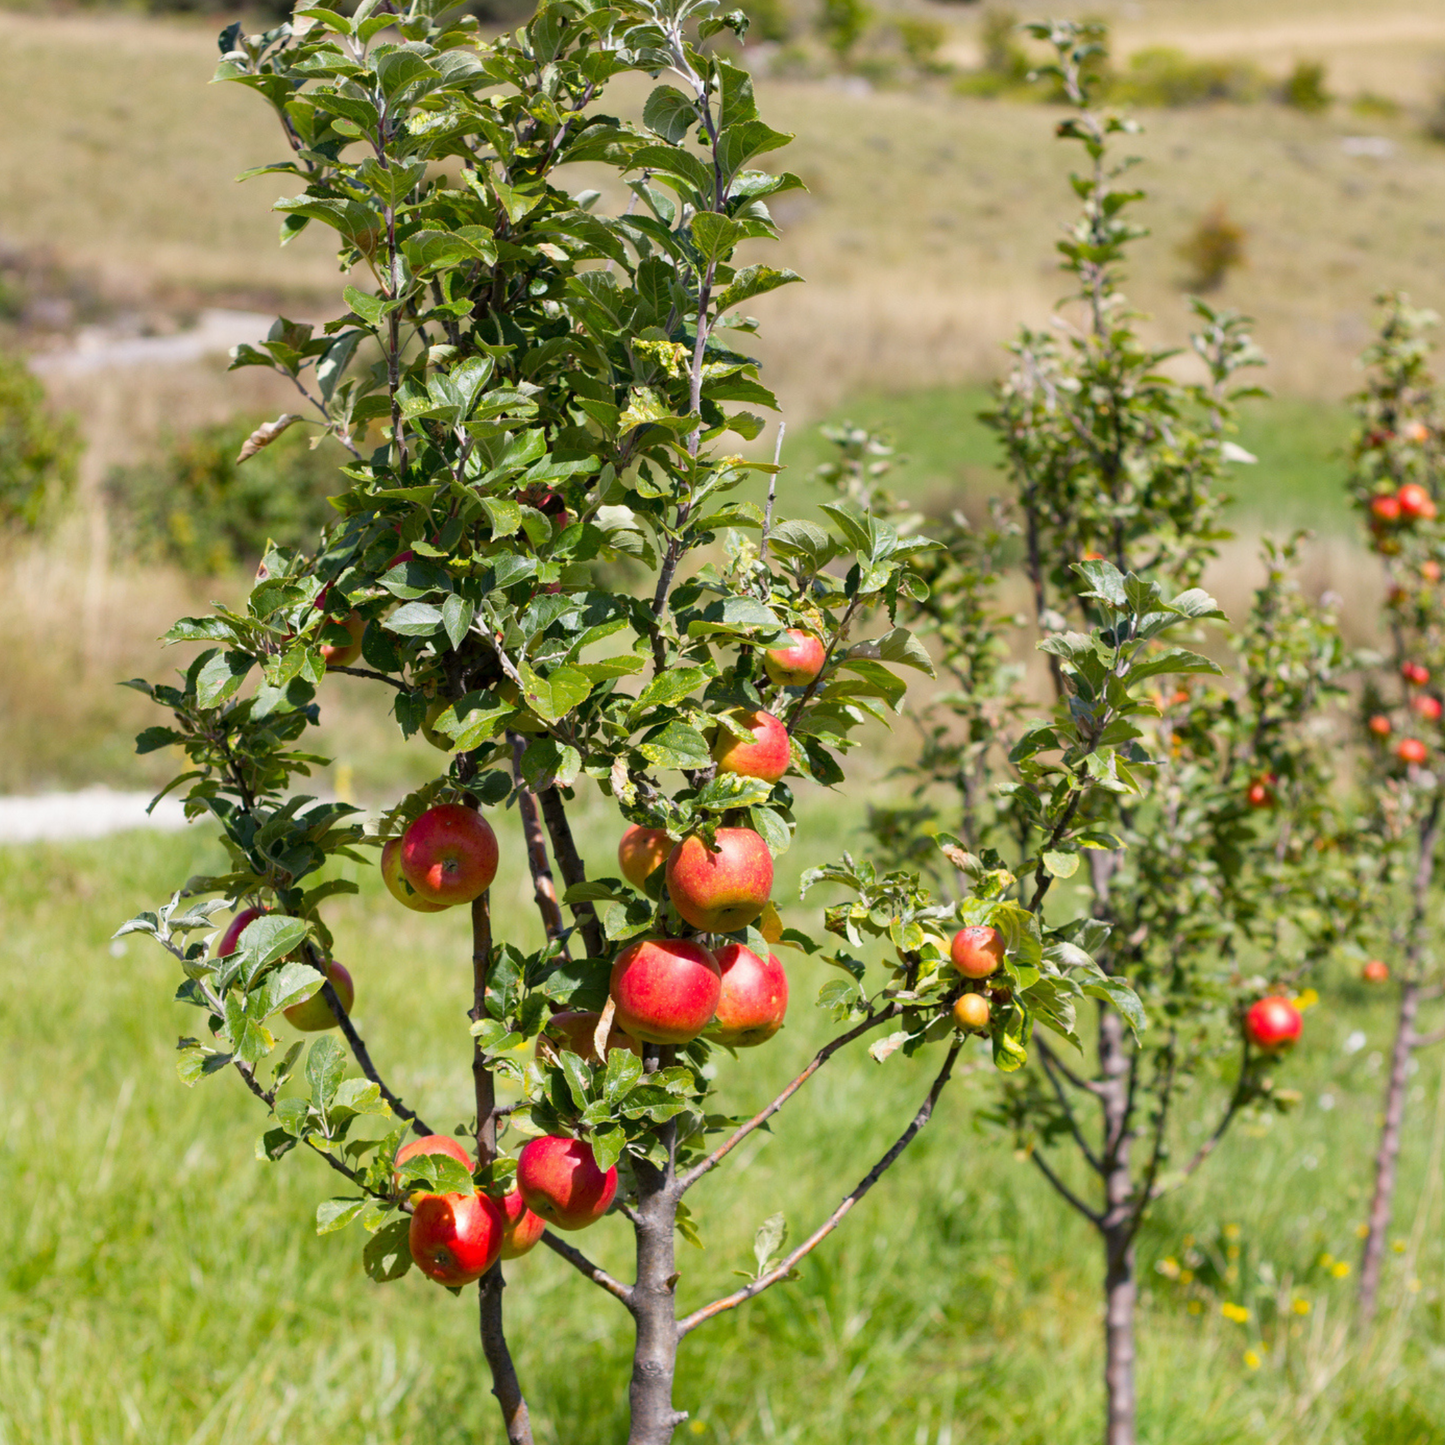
(1119, 881)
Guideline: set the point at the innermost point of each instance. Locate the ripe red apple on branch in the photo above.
(1411, 750)
(449, 854)
(430, 1144)
(1260, 793)
(576, 1030)
(1385, 508)
(971, 1013)
(724, 890)
(1375, 971)
(753, 1000)
(231, 938)
(767, 755)
(524, 1228)
(1415, 672)
(559, 1180)
(1415, 503)
(1379, 724)
(456, 1238)
(798, 662)
(977, 952)
(641, 852)
(1427, 706)
(1273, 1024)
(665, 989)
(343, 654)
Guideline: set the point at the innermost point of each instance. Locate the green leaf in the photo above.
(753, 281)
(325, 1064)
(387, 1255)
(290, 984)
(676, 745)
(334, 1214)
(669, 113)
(715, 236)
(221, 677)
(1060, 865)
(547, 761)
(416, 619)
(670, 687)
(772, 1235)
(554, 696)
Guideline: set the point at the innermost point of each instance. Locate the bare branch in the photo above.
(583, 1265)
(1426, 1041)
(1089, 1086)
(707, 1165)
(1069, 1116)
(1063, 1190)
(543, 887)
(572, 868)
(374, 676)
(1156, 1156)
(1236, 1102)
(783, 1270)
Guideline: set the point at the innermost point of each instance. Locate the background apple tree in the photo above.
(1206, 858)
(537, 398)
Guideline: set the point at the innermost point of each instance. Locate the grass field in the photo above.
(160, 1285)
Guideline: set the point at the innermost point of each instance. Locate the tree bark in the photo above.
(654, 1295)
(1117, 1228)
(505, 1385)
(1387, 1156)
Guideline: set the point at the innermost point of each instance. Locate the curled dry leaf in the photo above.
(265, 434)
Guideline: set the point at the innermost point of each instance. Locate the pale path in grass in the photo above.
(91, 813)
(97, 349)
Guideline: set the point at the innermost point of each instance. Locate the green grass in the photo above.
(160, 1285)
(947, 455)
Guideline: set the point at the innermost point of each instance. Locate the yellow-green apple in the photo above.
(766, 754)
(449, 854)
(431, 1144)
(978, 951)
(524, 1228)
(560, 1181)
(456, 1238)
(576, 1030)
(435, 709)
(397, 885)
(797, 663)
(1273, 1024)
(641, 852)
(753, 999)
(971, 1013)
(313, 1014)
(343, 654)
(665, 989)
(722, 891)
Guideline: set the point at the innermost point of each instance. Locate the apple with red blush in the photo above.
(723, 888)
(753, 1000)
(449, 854)
(765, 752)
(665, 990)
(559, 1181)
(797, 662)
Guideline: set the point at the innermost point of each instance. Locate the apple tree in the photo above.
(1397, 468)
(1205, 857)
(537, 394)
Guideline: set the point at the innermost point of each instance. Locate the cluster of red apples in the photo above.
(1426, 706)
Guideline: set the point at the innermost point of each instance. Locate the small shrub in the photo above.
(1213, 249)
(1003, 56)
(1370, 106)
(39, 452)
(922, 40)
(771, 20)
(197, 507)
(1305, 88)
(842, 23)
(1168, 78)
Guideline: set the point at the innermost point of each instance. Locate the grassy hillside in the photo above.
(160, 1285)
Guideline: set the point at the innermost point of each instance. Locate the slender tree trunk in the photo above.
(505, 1385)
(1117, 1228)
(1387, 1156)
(654, 1296)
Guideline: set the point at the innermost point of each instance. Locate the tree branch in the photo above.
(583, 1265)
(572, 868)
(1207, 1148)
(783, 1270)
(1069, 1116)
(1087, 1085)
(543, 887)
(1063, 1190)
(707, 1165)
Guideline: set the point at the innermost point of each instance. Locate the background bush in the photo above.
(39, 451)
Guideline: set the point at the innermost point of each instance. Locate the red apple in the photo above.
(641, 852)
(767, 756)
(577, 1030)
(1273, 1023)
(977, 951)
(343, 654)
(1415, 502)
(722, 891)
(431, 1144)
(753, 1000)
(798, 663)
(971, 1013)
(665, 989)
(1260, 794)
(1427, 707)
(456, 1238)
(560, 1181)
(1430, 570)
(449, 854)
(1385, 509)
(397, 885)
(1375, 971)
(1379, 725)
(1411, 750)
(231, 938)
(313, 1015)
(1415, 672)
(524, 1228)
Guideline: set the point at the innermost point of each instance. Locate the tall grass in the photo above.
(160, 1285)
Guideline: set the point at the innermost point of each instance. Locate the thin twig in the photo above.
(583, 1265)
(783, 1270)
(707, 1165)
(543, 887)
(1068, 1108)
(1062, 1189)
